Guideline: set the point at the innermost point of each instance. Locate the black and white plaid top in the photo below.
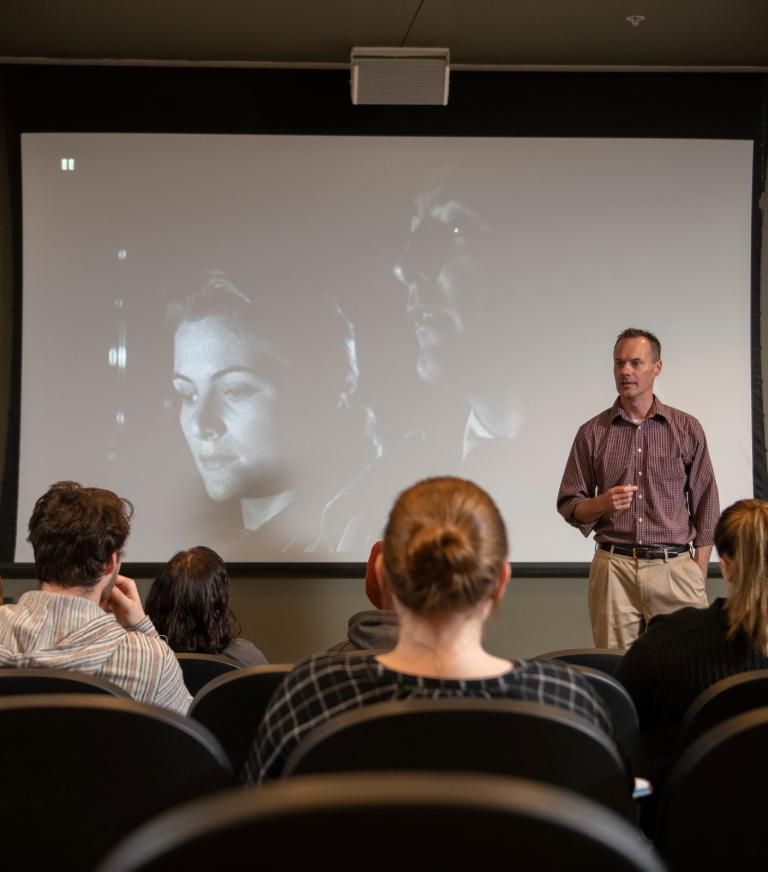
(325, 685)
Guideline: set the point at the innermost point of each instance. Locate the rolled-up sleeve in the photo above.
(703, 496)
(578, 482)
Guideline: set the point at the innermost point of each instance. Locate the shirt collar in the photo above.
(658, 410)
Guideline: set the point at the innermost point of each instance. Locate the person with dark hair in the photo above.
(259, 404)
(444, 562)
(86, 616)
(189, 604)
(640, 477)
(683, 653)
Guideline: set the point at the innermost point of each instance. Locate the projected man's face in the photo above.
(227, 406)
(441, 266)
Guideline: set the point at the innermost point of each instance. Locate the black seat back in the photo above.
(722, 700)
(618, 702)
(233, 705)
(389, 821)
(712, 814)
(522, 739)
(79, 772)
(199, 669)
(16, 681)
(604, 659)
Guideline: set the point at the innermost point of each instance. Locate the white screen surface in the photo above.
(260, 340)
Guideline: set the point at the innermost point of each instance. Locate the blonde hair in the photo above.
(444, 546)
(741, 536)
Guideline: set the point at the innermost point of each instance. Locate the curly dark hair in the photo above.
(74, 530)
(189, 603)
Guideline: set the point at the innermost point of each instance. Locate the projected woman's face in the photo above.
(441, 266)
(228, 412)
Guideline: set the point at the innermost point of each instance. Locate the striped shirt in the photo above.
(60, 631)
(325, 685)
(666, 456)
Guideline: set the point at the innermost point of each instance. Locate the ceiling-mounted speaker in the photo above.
(400, 76)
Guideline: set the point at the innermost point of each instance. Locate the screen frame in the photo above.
(44, 98)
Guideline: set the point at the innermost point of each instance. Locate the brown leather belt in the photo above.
(646, 552)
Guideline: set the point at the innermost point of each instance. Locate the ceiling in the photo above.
(479, 33)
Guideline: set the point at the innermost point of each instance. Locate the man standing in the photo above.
(640, 476)
(86, 617)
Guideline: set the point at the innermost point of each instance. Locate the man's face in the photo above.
(634, 369)
(442, 267)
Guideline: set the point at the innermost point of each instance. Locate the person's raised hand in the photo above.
(124, 602)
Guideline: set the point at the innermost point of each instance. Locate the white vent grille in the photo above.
(400, 77)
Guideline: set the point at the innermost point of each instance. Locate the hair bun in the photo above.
(439, 550)
(444, 546)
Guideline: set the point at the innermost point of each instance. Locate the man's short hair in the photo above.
(74, 530)
(636, 333)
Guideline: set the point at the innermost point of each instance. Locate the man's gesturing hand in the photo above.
(615, 499)
(619, 498)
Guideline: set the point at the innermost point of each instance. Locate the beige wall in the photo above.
(288, 618)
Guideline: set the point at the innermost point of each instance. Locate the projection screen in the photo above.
(260, 340)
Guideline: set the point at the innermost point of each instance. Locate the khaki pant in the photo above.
(626, 592)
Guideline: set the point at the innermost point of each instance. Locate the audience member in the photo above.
(86, 616)
(189, 605)
(444, 563)
(683, 653)
(373, 629)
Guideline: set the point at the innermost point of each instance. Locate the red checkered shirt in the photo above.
(665, 456)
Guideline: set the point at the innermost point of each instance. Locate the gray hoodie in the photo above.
(371, 630)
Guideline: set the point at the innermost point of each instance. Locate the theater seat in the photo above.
(199, 669)
(233, 705)
(605, 659)
(620, 707)
(724, 699)
(79, 772)
(712, 813)
(499, 736)
(16, 681)
(386, 821)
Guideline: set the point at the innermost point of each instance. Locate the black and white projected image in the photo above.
(461, 306)
(261, 340)
(262, 406)
(464, 300)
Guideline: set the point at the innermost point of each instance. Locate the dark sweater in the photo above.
(679, 656)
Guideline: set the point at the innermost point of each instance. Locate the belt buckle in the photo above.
(634, 553)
